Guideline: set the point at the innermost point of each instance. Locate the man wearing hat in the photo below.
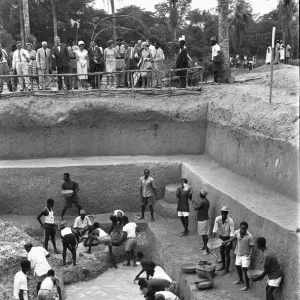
(4, 70)
(224, 226)
(73, 63)
(215, 59)
(82, 224)
(21, 58)
(182, 62)
(202, 208)
(68, 241)
(120, 63)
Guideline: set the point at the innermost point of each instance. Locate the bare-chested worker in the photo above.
(73, 199)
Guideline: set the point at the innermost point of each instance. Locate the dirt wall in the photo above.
(103, 188)
(274, 163)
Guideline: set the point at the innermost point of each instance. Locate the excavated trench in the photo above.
(242, 149)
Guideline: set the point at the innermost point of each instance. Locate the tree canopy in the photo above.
(248, 33)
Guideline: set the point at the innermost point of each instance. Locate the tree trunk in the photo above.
(54, 17)
(112, 2)
(223, 8)
(175, 33)
(21, 23)
(26, 20)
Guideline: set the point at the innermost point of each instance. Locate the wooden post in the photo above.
(22, 23)
(187, 79)
(99, 84)
(132, 83)
(170, 83)
(272, 63)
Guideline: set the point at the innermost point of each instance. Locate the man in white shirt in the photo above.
(130, 245)
(69, 242)
(165, 295)
(4, 69)
(38, 259)
(215, 56)
(158, 64)
(82, 224)
(101, 237)
(224, 226)
(20, 281)
(147, 192)
(20, 61)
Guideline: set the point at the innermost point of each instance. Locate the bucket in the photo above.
(205, 269)
(231, 80)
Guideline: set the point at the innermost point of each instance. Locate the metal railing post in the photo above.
(186, 79)
(170, 82)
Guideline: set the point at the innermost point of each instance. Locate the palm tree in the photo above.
(287, 9)
(223, 11)
(54, 17)
(113, 13)
(26, 20)
(175, 6)
(21, 23)
(238, 25)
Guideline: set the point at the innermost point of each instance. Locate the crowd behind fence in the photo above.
(187, 78)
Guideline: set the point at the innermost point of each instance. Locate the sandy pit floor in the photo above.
(114, 284)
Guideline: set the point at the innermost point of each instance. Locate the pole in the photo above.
(272, 63)
(22, 23)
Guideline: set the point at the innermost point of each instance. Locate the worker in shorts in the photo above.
(271, 268)
(69, 242)
(116, 220)
(48, 225)
(101, 237)
(147, 193)
(224, 226)
(202, 208)
(73, 199)
(130, 244)
(184, 193)
(47, 285)
(244, 251)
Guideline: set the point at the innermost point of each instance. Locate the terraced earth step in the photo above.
(170, 193)
(165, 209)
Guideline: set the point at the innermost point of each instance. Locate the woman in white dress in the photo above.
(268, 55)
(82, 59)
(110, 54)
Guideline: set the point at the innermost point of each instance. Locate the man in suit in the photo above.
(95, 63)
(132, 58)
(182, 62)
(61, 54)
(44, 65)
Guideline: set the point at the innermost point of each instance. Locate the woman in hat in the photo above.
(110, 54)
(32, 68)
(145, 65)
(82, 59)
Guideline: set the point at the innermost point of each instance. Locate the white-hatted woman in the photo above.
(82, 60)
(145, 64)
(110, 54)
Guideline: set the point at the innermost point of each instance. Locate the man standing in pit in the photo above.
(82, 224)
(48, 225)
(70, 185)
(271, 268)
(148, 193)
(20, 282)
(203, 220)
(116, 220)
(243, 251)
(69, 242)
(224, 226)
(184, 193)
(38, 259)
